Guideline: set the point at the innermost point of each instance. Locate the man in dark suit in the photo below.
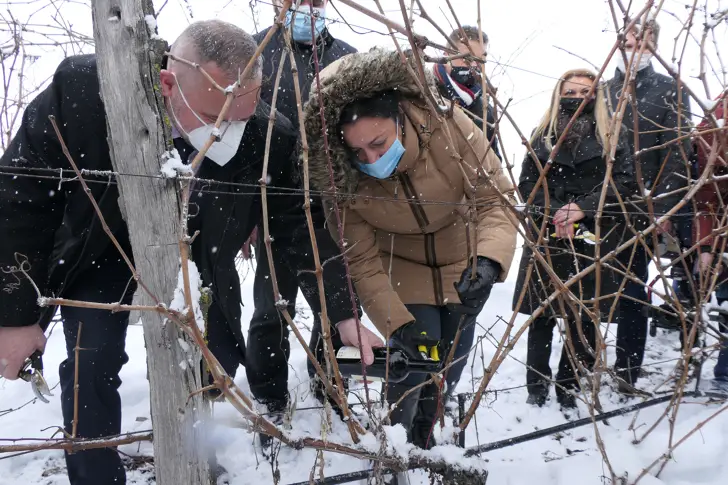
(459, 80)
(69, 256)
(268, 346)
(660, 114)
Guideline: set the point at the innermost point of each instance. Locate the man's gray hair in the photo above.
(471, 34)
(651, 25)
(222, 43)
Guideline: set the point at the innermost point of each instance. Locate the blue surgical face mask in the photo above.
(302, 23)
(385, 166)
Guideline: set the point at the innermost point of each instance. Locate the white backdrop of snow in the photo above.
(571, 458)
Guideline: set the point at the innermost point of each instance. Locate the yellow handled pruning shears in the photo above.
(433, 354)
(32, 372)
(581, 232)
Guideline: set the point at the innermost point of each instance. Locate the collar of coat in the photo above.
(588, 148)
(647, 72)
(358, 76)
(455, 91)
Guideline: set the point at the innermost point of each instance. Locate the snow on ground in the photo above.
(569, 458)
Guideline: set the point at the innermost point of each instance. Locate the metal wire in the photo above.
(253, 189)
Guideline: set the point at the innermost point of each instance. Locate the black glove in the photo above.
(474, 293)
(414, 342)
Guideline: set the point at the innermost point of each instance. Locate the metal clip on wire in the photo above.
(32, 372)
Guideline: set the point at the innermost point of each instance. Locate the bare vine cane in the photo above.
(674, 405)
(337, 393)
(340, 227)
(72, 445)
(339, 224)
(222, 380)
(421, 40)
(105, 226)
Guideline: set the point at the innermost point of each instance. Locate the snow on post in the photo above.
(178, 298)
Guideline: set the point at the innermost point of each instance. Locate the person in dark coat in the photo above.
(574, 190)
(328, 49)
(662, 112)
(710, 202)
(69, 256)
(460, 81)
(268, 346)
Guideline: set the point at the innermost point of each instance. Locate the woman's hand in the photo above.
(565, 218)
(349, 336)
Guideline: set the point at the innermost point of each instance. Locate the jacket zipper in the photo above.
(429, 239)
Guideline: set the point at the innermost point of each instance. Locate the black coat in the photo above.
(574, 178)
(656, 101)
(475, 108)
(55, 226)
(328, 50)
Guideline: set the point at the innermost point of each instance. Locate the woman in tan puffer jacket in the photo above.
(405, 181)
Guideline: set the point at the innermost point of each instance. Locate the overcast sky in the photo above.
(525, 39)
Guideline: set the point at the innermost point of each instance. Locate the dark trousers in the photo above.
(268, 348)
(100, 359)
(418, 411)
(540, 336)
(632, 319)
(103, 334)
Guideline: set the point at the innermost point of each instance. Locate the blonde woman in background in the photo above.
(574, 189)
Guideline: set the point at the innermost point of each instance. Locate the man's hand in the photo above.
(565, 218)
(16, 345)
(705, 262)
(347, 332)
(247, 254)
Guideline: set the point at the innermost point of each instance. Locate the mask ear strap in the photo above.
(174, 115)
(185, 100)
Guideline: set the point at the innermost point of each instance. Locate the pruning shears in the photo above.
(433, 354)
(32, 371)
(583, 233)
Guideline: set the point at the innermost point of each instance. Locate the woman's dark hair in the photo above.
(382, 105)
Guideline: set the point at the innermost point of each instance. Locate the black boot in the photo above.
(319, 392)
(567, 403)
(406, 411)
(276, 414)
(538, 371)
(429, 404)
(538, 394)
(566, 400)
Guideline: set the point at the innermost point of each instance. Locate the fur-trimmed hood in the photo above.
(355, 76)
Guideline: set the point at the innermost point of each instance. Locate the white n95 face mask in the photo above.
(228, 137)
(223, 150)
(645, 61)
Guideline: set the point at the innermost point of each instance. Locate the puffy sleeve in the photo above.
(496, 226)
(379, 300)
